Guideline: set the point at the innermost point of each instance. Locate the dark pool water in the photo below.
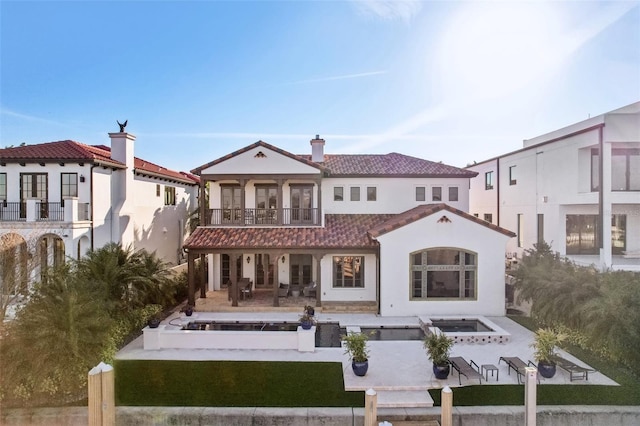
(394, 333)
(461, 326)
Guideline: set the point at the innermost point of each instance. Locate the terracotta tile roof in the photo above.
(340, 231)
(307, 161)
(392, 164)
(68, 150)
(425, 210)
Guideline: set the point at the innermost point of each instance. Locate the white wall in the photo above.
(273, 163)
(426, 233)
(331, 294)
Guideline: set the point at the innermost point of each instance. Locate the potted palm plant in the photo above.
(544, 346)
(438, 347)
(355, 345)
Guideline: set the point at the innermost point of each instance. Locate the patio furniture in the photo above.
(485, 368)
(517, 365)
(310, 289)
(465, 369)
(283, 290)
(295, 291)
(576, 372)
(246, 288)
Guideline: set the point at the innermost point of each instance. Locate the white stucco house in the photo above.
(576, 188)
(388, 231)
(61, 199)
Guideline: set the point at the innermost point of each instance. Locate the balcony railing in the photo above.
(262, 217)
(51, 212)
(11, 211)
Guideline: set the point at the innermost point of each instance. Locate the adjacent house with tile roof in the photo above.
(389, 231)
(576, 188)
(70, 197)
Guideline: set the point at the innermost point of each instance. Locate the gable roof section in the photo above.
(389, 165)
(263, 144)
(346, 231)
(425, 210)
(69, 150)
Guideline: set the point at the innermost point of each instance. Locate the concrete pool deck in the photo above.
(398, 370)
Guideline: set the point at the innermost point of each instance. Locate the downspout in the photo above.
(91, 202)
(498, 190)
(378, 278)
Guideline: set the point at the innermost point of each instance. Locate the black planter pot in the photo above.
(153, 323)
(360, 368)
(441, 371)
(546, 370)
(188, 311)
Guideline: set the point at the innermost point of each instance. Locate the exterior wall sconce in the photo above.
(248, 259)
(81, 178)
(282, 259)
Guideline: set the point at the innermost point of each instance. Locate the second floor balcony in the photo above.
(44, 211)
(263, 217)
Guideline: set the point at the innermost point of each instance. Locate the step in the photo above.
(412, 422)
(404, 398)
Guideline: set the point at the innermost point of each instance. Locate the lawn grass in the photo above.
(628, 393)
(232, 384)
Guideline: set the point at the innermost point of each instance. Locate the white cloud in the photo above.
(389, 10)
(7, 112)
(338, 77)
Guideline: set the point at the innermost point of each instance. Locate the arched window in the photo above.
(443, 274)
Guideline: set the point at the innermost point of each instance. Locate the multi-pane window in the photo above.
(436, 193)
(488, 217)
(488, 180)
(338, 193)
(420, 193)
(443, 273)
(69, 182)
(355, 193)
(348, 271)
(582, 234)
(453, 193)
(3, 187)
(625, 169)
(372, 193)
(157, 189)
(169, 196)
(33, 185)
(512, 175)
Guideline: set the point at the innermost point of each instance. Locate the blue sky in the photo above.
(446, 81)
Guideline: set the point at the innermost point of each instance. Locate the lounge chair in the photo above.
(517, 365)
(465, 369)
(310, 289)
(576, 372)
(283, 290)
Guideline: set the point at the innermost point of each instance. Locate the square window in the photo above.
(420, 193)
(488, 217)
(453, 193)
(372, 193)
(355, 193)
(338, 193)
(436, 193)
(512, 175)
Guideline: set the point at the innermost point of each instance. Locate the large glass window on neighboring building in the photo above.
(582, 234)
(348, 271)
(443, 273)
(625, 169)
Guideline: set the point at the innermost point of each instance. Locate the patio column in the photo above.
(318, 219)
(203, 282)
(318, 257)
(280, 202)
(233, 273)
(191, 279)
(276, 279)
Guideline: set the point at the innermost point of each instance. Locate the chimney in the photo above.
(317, 150)
(122, 188)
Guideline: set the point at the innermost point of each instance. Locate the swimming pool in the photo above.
(393, 333)
(472, 325)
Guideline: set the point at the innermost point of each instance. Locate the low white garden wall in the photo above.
(171, 337)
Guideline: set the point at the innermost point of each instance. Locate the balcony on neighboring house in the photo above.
(263, 217)
(44, 211)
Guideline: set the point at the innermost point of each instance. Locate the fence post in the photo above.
(446, 405)
(102, 410)
(370, 407)
(531, 377)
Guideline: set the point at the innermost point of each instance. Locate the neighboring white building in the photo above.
(388, 231)
(559, 189)
(69, 197)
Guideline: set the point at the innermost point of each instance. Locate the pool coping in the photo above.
(497, 335)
